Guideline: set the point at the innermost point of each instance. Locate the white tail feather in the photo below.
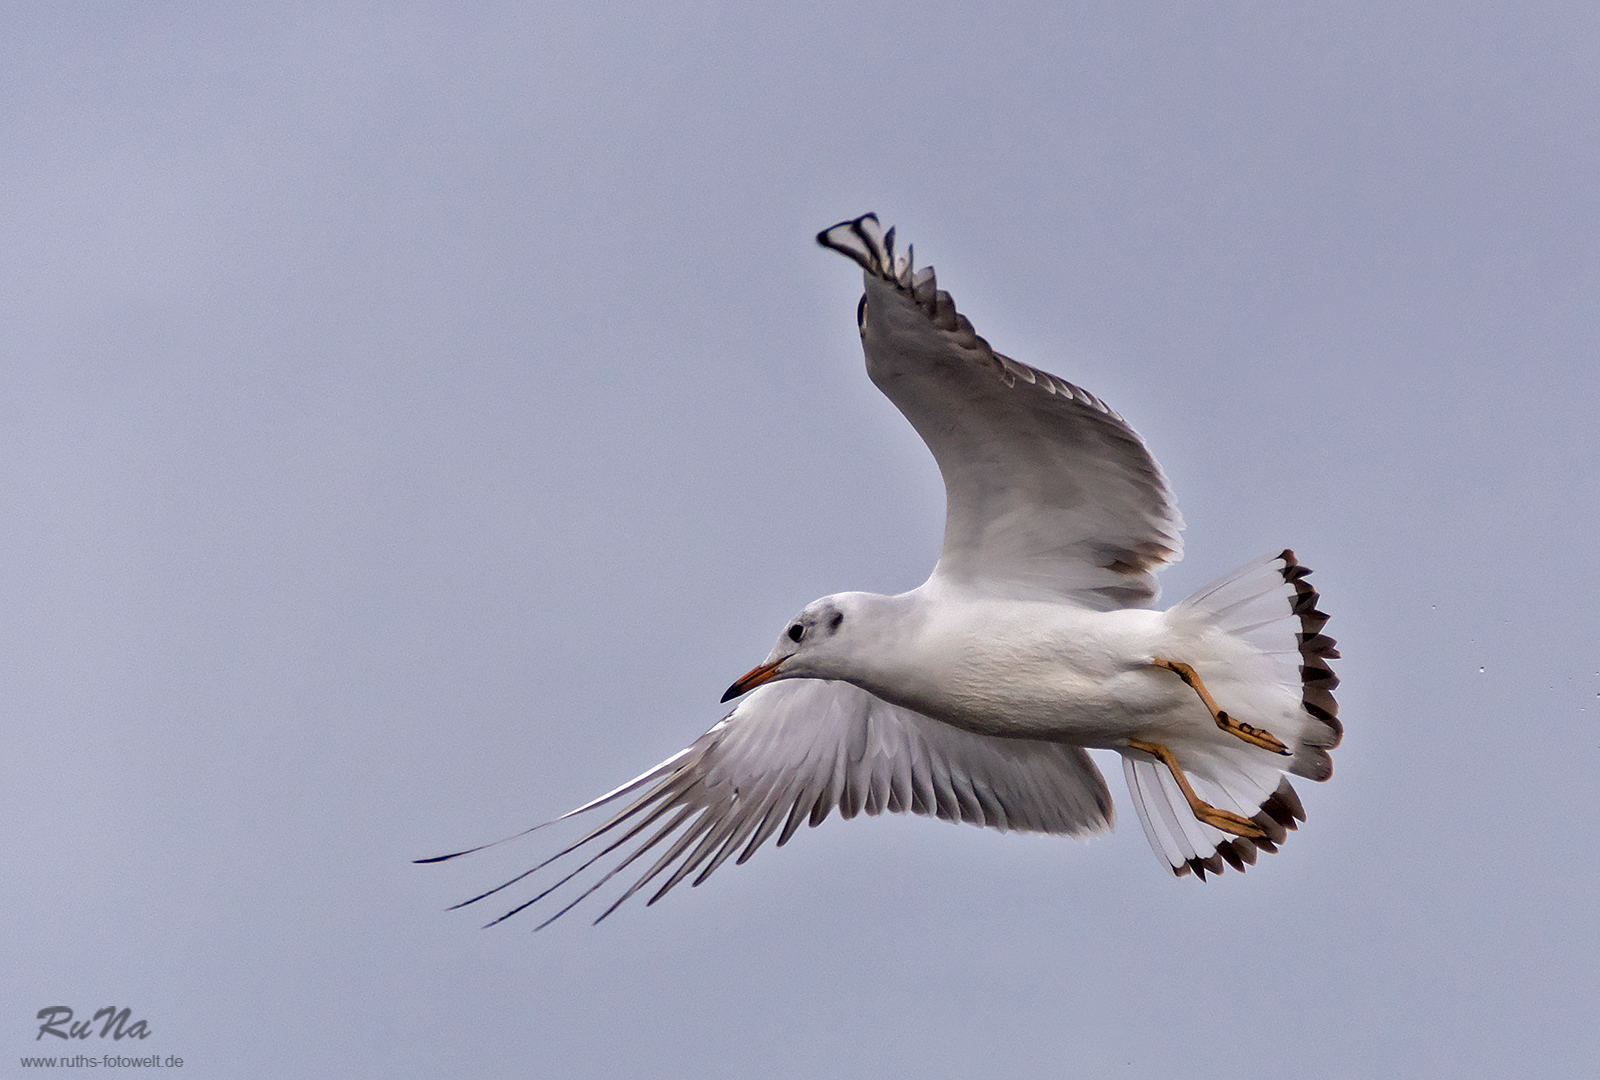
(1269, 667)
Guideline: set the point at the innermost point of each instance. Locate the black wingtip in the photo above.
(822, 237)
(860, 245)
(470, 850)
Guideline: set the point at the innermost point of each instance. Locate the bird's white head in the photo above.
(819, 643)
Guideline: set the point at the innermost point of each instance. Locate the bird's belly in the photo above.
(1067, 699)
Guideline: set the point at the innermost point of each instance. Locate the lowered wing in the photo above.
(790, 753)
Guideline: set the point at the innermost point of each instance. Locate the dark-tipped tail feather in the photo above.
(1271, 606)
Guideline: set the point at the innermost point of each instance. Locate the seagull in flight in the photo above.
(975, 696)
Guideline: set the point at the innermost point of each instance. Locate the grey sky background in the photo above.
(412, 418)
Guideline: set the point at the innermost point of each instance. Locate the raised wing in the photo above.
(791, 752)
(1049, 493)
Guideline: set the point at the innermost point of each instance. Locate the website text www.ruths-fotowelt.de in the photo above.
(104, 1061)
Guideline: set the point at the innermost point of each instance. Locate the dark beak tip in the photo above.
(751, 679)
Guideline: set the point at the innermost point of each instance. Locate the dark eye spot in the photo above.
(861, 313)
(796, 632)
(833, 623)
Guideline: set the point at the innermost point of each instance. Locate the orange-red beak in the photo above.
(752, 679)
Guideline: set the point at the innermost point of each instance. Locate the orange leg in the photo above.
(1249, 733)
(1225, 820)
